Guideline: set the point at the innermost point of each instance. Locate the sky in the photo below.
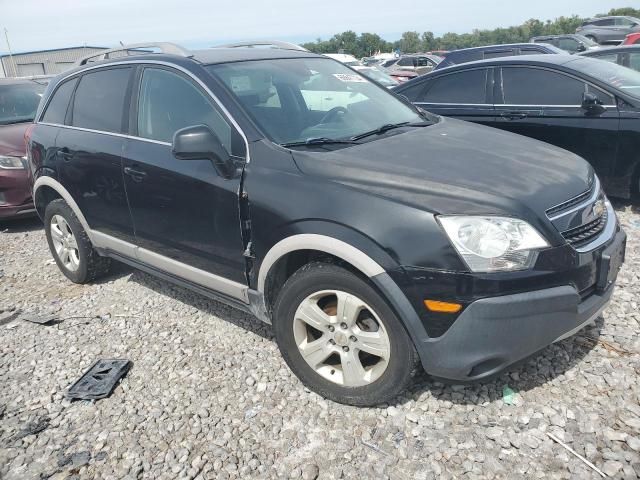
(48, 24)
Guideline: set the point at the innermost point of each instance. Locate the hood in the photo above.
(12, 139)
(456, 167)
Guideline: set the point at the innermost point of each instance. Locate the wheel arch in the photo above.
(46, 189)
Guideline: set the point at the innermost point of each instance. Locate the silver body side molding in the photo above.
(322, 243)
(186, 272)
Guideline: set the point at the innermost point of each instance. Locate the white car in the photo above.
(345, 58)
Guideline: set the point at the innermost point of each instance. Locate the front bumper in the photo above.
(15, 194)
(495, 331)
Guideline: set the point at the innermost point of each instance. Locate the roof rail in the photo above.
(135, 49)
(264, 43)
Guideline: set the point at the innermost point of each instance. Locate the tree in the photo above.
(428, 41)
(367, 44)
(630, 12)
(410, 42)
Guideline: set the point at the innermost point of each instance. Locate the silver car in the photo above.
(609, 29)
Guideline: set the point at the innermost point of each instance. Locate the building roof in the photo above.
(15, 54)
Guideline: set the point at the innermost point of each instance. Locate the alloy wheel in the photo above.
(341, 338)
(65, 243)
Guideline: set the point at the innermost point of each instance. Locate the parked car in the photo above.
(19, 99)
(632, 39)
(587, 106)
(372, 235)
(569, 43)
(627, 56)
(465, 55)
(378, 75)
(402, 75)
(420, 64)
(605, 30)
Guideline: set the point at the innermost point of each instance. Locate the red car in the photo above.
(19, 99)
(402, 75)
(632, 39)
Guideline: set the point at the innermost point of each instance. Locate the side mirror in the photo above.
(591, 104)
(200, 142)
(581, 47)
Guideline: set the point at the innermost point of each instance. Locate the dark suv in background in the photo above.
(569, 43)
(609, 29)
(371, 234)
(466, 55)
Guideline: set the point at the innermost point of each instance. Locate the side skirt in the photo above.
(213, 295)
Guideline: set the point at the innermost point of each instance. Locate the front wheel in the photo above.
(339, 336)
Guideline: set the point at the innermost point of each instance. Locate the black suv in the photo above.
(371, 234)
(465, 55)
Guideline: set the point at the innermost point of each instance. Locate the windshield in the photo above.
(617, 76)
(19, 102)
(297, 99)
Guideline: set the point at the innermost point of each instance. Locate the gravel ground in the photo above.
(209, 396)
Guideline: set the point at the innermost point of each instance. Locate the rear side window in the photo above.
(531, 51)
(99, 100)
(169, 102)
(607, 22)
(499, 53)
(568, 44)
(608, 57)
(522, 87)
(634, 61)
(57, 109)
(407, 62)
(463, 87)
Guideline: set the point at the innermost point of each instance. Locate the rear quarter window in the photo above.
(99, 100)
(56, 111)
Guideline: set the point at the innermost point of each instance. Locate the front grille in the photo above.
(572, 202)
(582, 235)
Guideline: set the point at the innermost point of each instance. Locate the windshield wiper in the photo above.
(319, 141)
(389, 126)
(16, 120)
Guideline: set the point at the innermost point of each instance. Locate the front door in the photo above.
(89, 150)
(186, 215)
(554, 114)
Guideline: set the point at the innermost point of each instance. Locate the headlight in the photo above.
(11, 162)
(490, 244)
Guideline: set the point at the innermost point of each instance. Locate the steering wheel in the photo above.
(334, 112)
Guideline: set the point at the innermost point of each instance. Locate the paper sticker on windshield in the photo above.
(349, 77)
(240, 84)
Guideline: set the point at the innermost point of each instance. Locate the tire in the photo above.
(350, 372)
(593, 39)
(73, 252)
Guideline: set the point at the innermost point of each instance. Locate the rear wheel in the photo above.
(592, 38)
(339, 336)
(70, 245)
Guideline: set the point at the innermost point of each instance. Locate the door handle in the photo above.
(136, 175)
(514, 115)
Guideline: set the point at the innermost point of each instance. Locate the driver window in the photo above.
(169, 102)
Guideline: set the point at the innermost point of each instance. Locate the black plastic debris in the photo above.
(8, 317)
(46, 320)
(100, 380)
(32, 428)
